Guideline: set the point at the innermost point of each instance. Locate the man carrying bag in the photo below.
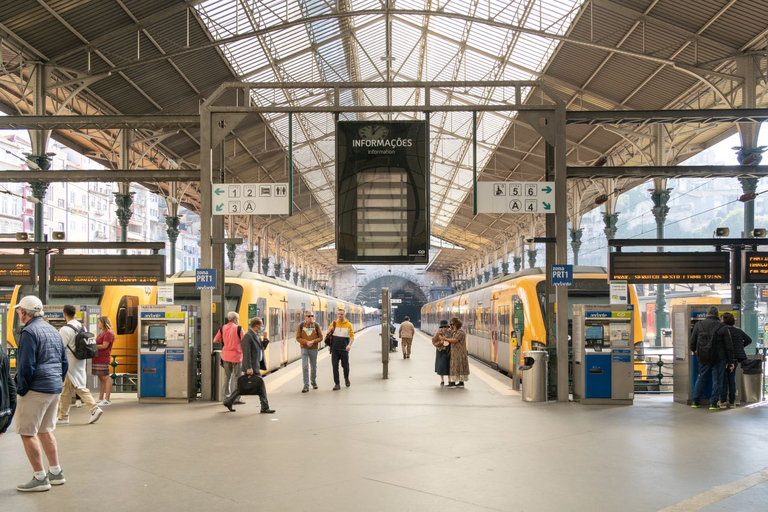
(251, 383)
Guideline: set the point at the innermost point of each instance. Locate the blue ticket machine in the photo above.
(603, 367)
(167, 353)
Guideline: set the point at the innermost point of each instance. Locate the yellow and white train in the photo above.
(515, 303)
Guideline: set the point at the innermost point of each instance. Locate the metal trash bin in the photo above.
(751, 385)
(218, 376)
(535, 375)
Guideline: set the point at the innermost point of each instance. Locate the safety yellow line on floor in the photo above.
(286, 374)
(719, 493)
(487, 375)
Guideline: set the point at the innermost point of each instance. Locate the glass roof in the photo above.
(345, 41)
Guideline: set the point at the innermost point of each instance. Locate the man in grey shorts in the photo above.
(41, 366)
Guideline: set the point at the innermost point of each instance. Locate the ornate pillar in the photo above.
(250, 259)
(576, 243)
(749, 154)
(231, 255)
(610, 220)
(505, 261)
(517, 261)
(660, 198)
(172, 230)
(124, 200)
(531, 257)
(487, 267)
(265, 253)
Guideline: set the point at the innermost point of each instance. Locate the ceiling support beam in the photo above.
(109, 176)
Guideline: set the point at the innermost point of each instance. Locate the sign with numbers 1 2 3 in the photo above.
(250, 199)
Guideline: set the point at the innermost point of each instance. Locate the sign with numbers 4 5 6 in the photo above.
(250, 199)
(516, 197)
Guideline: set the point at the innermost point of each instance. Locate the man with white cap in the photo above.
(41, 366)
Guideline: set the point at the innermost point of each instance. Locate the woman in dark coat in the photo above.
(459, 359)
(442, 361)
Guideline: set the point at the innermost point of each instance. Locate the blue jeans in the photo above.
(729, 386)
(716, 372)
(309, 358)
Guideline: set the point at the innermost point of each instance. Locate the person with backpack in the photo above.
(231, 336)
(75, 339)
(740, 340)
(309, 336)
(711, 342)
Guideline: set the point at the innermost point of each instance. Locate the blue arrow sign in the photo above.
(219, 207)
(218, 191)
(546, 206)
(547, 189)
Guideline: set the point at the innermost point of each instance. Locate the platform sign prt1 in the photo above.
(205, 279)
(562, 275)
(516, 197)
(250, 199)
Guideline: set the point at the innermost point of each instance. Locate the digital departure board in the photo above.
(107, 269)
(754, 267)
(382, 208)
(17, 269)
(670, 267)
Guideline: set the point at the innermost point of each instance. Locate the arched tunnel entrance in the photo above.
(406, 295)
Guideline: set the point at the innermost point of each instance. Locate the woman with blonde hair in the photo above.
(459, 367)
(100, 363)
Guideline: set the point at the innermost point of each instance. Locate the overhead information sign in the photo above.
(670, 267)
(107, 269)
(382, 207)
(754, 267)
(17, 269)
(516, 197)
(250, 199)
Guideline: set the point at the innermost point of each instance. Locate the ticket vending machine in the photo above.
(603, 344)
(168, 343)
(685, 365)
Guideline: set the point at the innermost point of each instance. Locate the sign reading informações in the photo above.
(670, 267)
(382, 208)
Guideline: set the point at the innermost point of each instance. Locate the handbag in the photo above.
(446, 350)
(250, 384)
(329, 335)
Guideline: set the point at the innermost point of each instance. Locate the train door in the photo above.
(284, 333)
(504, 354)
(274, 330)
(494, 328)
(125, 347)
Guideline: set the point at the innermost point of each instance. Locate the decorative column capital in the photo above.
(172, 230)
(231, 255)
(531, 258)
(124, 202)
(610, 220)
(265, 265)
(518, 263)
(250, 259)
(660, 199)
(749, 156)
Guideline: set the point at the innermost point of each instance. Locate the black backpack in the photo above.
(85, 344)
(706, 350)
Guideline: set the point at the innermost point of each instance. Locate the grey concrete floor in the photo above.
(402, 444)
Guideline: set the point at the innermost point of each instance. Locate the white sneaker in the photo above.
(78, 404)
(62, 422)
(96, 415)
(104, 403)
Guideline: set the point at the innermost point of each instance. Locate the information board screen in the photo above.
(754, 267)
(382, 208)
(670, 267)
(17, 269)
(107, 269)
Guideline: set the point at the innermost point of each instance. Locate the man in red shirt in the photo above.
(231, 354)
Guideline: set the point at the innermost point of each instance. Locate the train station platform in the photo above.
(402, 444)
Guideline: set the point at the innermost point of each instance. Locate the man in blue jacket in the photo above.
(41, 366)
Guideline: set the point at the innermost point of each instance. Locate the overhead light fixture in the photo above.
(722, 232)
(757, 233)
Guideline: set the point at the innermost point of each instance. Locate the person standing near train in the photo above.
(231, 335)
(309, 336)
(711, 342)
(342, 338)
(442, 360)
(406, 333)
(459, 366)
(740, 340)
